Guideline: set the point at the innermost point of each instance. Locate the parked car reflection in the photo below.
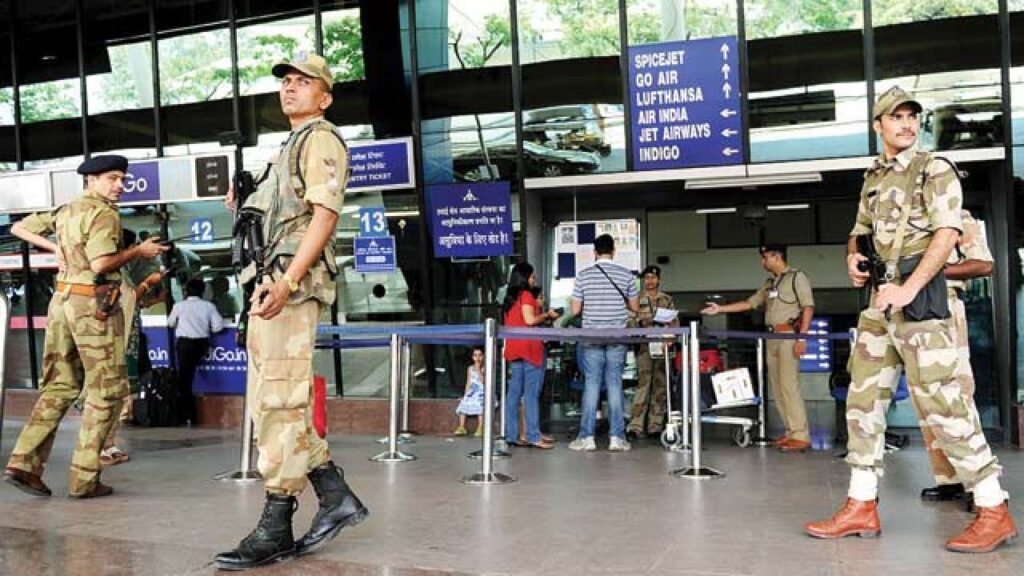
(540, 161)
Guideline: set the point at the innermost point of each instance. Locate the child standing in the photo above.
(472, 403)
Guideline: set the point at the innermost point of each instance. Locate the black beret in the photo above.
(101, 164)
(652, 269)
(780, 248)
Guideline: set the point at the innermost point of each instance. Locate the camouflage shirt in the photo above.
(288, 206)
(86, 228)
(649, 306)
(935, 201)
(973, 246)
(783, 297)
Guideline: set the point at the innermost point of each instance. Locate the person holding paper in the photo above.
(788, 307)
(649, 403)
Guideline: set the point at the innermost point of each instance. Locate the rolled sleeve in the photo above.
(757, 299)
(862, 225)
(41, 223)
(975, 246)
(104, 235)
(802, 287)
(325, 171)
(943, 197)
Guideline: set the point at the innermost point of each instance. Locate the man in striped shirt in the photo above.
(605, 293)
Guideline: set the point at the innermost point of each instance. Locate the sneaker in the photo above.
(583, 444)
(479, 431)
(460, 431)
(617, 444)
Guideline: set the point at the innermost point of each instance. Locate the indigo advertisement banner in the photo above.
(470, 220)
(222, 371)
(685, 103)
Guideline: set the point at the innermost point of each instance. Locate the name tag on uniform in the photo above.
(773, 293)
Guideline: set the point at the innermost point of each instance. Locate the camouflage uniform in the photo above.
(792, 293)
(77, 344)
(928, 350)
(281, 349)
(650, 397)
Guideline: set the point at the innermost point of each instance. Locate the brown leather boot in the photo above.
(992, 527)
(27, 482)
(856, 517)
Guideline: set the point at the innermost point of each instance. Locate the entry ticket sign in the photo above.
(685, 103)
(471, 220)
(818, 356)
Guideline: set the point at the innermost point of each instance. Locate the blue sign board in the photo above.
(685, 103)
(471, 220)
(372, 222)
(374, 253)
(202, 230)
(818, 356)
(382, 164)
(142, 182)
(223, 369)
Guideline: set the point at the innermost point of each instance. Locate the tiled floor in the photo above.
(596, 513)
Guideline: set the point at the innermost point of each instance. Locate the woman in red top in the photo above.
(525, 357)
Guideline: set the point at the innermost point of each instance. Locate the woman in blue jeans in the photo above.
(525, 357)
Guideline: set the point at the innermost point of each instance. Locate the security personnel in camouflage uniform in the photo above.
(911, 203)
(789, 306)
(85, 330)
(971, 259)
(299, 197)
(650, 400)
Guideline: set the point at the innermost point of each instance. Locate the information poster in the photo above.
(574, 244)
(471, 220)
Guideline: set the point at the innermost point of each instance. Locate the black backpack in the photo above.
(157, 403)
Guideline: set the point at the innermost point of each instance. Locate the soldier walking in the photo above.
(85, 331)
(297, 202)
(911, 204)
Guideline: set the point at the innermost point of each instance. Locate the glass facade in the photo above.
(157, 79)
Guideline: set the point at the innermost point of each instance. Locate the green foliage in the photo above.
(343, 48)
(589, 27)
(497, 33)
(901, 11)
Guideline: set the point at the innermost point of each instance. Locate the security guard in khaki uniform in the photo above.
(84, 332)
(789, 306)
(911, 204)
(650, 401)
(298, 199)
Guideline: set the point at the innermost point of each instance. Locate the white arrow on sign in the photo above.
(730, 151)
(729, 132)
(725, 51)
(725, 71)
(727, 90)
(726, 112)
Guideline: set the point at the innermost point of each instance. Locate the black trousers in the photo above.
(190, 353)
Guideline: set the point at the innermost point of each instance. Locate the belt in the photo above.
(77, 289)
(781, 328)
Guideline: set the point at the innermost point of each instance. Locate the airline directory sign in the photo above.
(685, 103)
(818, 356)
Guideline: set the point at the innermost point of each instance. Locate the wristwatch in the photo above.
(293, 286)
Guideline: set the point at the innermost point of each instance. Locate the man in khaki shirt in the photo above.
(788, 307)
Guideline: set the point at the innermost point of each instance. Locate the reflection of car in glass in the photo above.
(575, 127)
(539, 161)
(968, 124)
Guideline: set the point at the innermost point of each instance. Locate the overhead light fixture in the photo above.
(47, 57)
(753, 181)
(716, 210)
(789, 207)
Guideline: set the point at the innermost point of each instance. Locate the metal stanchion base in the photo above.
(401, 440)
(497, 454)
(698, 473)
(239, 476)
(393, 457)
(762, 442)
(680, 448)
(408, 433)
(492, 478)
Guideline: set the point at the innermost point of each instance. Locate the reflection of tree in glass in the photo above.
(46, 101)
(496, 34)
(343, 48)
(901, 11)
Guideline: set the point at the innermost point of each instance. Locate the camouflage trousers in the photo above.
(784, 381)
(650, 400)
(937, 380)
(80, 352)
(280, 396)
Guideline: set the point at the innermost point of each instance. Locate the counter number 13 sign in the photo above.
(372, 222)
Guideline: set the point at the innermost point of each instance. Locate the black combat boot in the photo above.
(339, 507)
(943, 493)
(271, 541)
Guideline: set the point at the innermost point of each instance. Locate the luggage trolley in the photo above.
(710, 364)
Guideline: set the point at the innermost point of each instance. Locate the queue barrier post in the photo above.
(392, 454)
(684, 365)
(487, 475)
(5, 320)
(406, 432)
(247, 472)
(500, 445)
(762, 436)
(696, 471)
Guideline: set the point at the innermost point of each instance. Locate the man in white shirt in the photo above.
(193, 321)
